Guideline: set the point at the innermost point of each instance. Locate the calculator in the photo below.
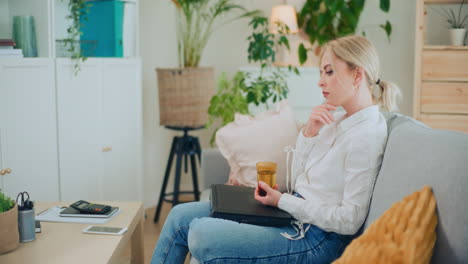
(90, 208)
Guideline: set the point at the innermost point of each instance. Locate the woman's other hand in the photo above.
(272, 196)
(232, 180)
(320, 116)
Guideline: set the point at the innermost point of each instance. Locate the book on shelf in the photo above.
(7, 43)
(11, 52)
(15, 53)
(12, 56)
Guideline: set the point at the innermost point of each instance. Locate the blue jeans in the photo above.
(212, 240)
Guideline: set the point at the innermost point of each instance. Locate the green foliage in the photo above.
(388, 29)
(197, 20)
(385, 5)
(228, 100)
(325, 20)
(302, 52)
(5, 203)
(269, 84)
(235, 96)
(77, 9)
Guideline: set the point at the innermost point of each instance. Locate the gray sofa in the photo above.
(416, 155)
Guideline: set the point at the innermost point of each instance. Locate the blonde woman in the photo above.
(336, 161)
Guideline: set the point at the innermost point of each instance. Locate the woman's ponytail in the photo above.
(388, 96)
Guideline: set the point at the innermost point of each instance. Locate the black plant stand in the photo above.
(184, 146)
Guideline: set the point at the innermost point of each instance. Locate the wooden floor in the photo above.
(151, 233)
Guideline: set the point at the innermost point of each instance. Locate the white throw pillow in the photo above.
(248, 140)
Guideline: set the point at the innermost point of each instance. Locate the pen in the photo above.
(43, 211)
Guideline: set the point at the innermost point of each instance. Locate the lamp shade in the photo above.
(285, 14)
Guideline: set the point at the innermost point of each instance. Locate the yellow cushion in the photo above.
(403, 234)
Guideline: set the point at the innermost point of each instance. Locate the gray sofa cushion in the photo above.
(214, 170)
(416, 156)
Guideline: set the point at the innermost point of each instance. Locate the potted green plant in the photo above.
(323, 20)
(456, 25)
(9, 236)
(184, 92)
(244, 90)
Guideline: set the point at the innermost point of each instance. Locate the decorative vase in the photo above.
(457, 36)
(184, 96)
(24, 34)
(9, 235)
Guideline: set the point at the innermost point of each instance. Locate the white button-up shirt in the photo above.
(335, 171)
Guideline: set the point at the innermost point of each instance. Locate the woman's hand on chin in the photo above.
(320, 116)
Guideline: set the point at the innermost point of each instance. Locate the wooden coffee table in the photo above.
(65, 242)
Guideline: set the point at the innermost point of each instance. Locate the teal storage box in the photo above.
(104, 27)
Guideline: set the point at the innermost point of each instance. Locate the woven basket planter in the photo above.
(184, 96)
(9, 236)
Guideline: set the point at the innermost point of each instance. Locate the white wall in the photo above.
(5, 25)
(226, 51)
(396, 56)
(158, 49)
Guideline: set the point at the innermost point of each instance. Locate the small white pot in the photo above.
(457, 36)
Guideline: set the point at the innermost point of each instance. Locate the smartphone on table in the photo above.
(105, 230)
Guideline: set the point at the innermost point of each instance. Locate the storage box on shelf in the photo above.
(104, 26)
(441, 78)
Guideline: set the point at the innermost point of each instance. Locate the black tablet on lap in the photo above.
(237, 203)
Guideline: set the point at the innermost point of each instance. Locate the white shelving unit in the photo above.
(441, 71)
(28, 129)
(81, 133)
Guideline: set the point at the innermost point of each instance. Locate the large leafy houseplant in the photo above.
(197, 20)
(190, 87)
(244, 90)
(325, 20)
